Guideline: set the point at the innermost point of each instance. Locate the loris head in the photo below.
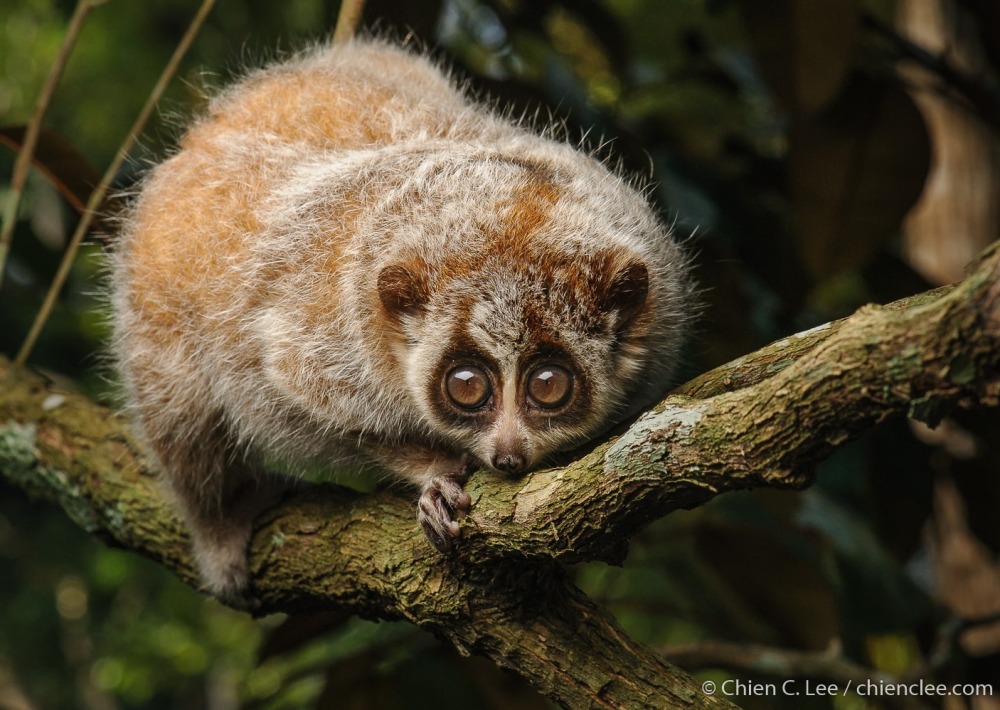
(512, 356)
(534, 300)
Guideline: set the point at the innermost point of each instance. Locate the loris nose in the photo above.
(508, 462)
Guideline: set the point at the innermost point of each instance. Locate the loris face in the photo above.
(512, 362)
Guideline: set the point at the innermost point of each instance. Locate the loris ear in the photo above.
(402, 288)
(627, 293)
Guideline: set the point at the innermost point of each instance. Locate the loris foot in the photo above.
(441, 504)
(220, 542)
(221, 557)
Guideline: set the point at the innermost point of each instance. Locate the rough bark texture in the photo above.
(763, 420)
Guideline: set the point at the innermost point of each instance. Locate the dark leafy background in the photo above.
(784, 136)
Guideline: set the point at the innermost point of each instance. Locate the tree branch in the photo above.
(763, 420)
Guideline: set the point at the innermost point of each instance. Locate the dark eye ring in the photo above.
(550, 386)
(467, 386)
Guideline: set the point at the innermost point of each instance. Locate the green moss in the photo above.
(19, 463)
(779, 366)
(901, 367)
(961, 370)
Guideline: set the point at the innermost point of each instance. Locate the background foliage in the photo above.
(793, 139)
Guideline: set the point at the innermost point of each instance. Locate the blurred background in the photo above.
(820, 155)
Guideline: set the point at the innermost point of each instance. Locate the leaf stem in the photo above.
(97, 196)
(23, 163)
(348, 20)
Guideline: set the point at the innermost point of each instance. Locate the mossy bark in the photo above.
(763, 420)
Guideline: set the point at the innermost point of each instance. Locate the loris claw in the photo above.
(443, 501)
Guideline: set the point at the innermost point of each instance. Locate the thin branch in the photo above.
(97, 196)
(348, 20)
(947, 650)
(23, 163)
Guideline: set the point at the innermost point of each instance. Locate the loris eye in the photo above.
(550, 386)
(468, 386)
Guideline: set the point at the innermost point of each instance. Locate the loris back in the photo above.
(347, 259)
